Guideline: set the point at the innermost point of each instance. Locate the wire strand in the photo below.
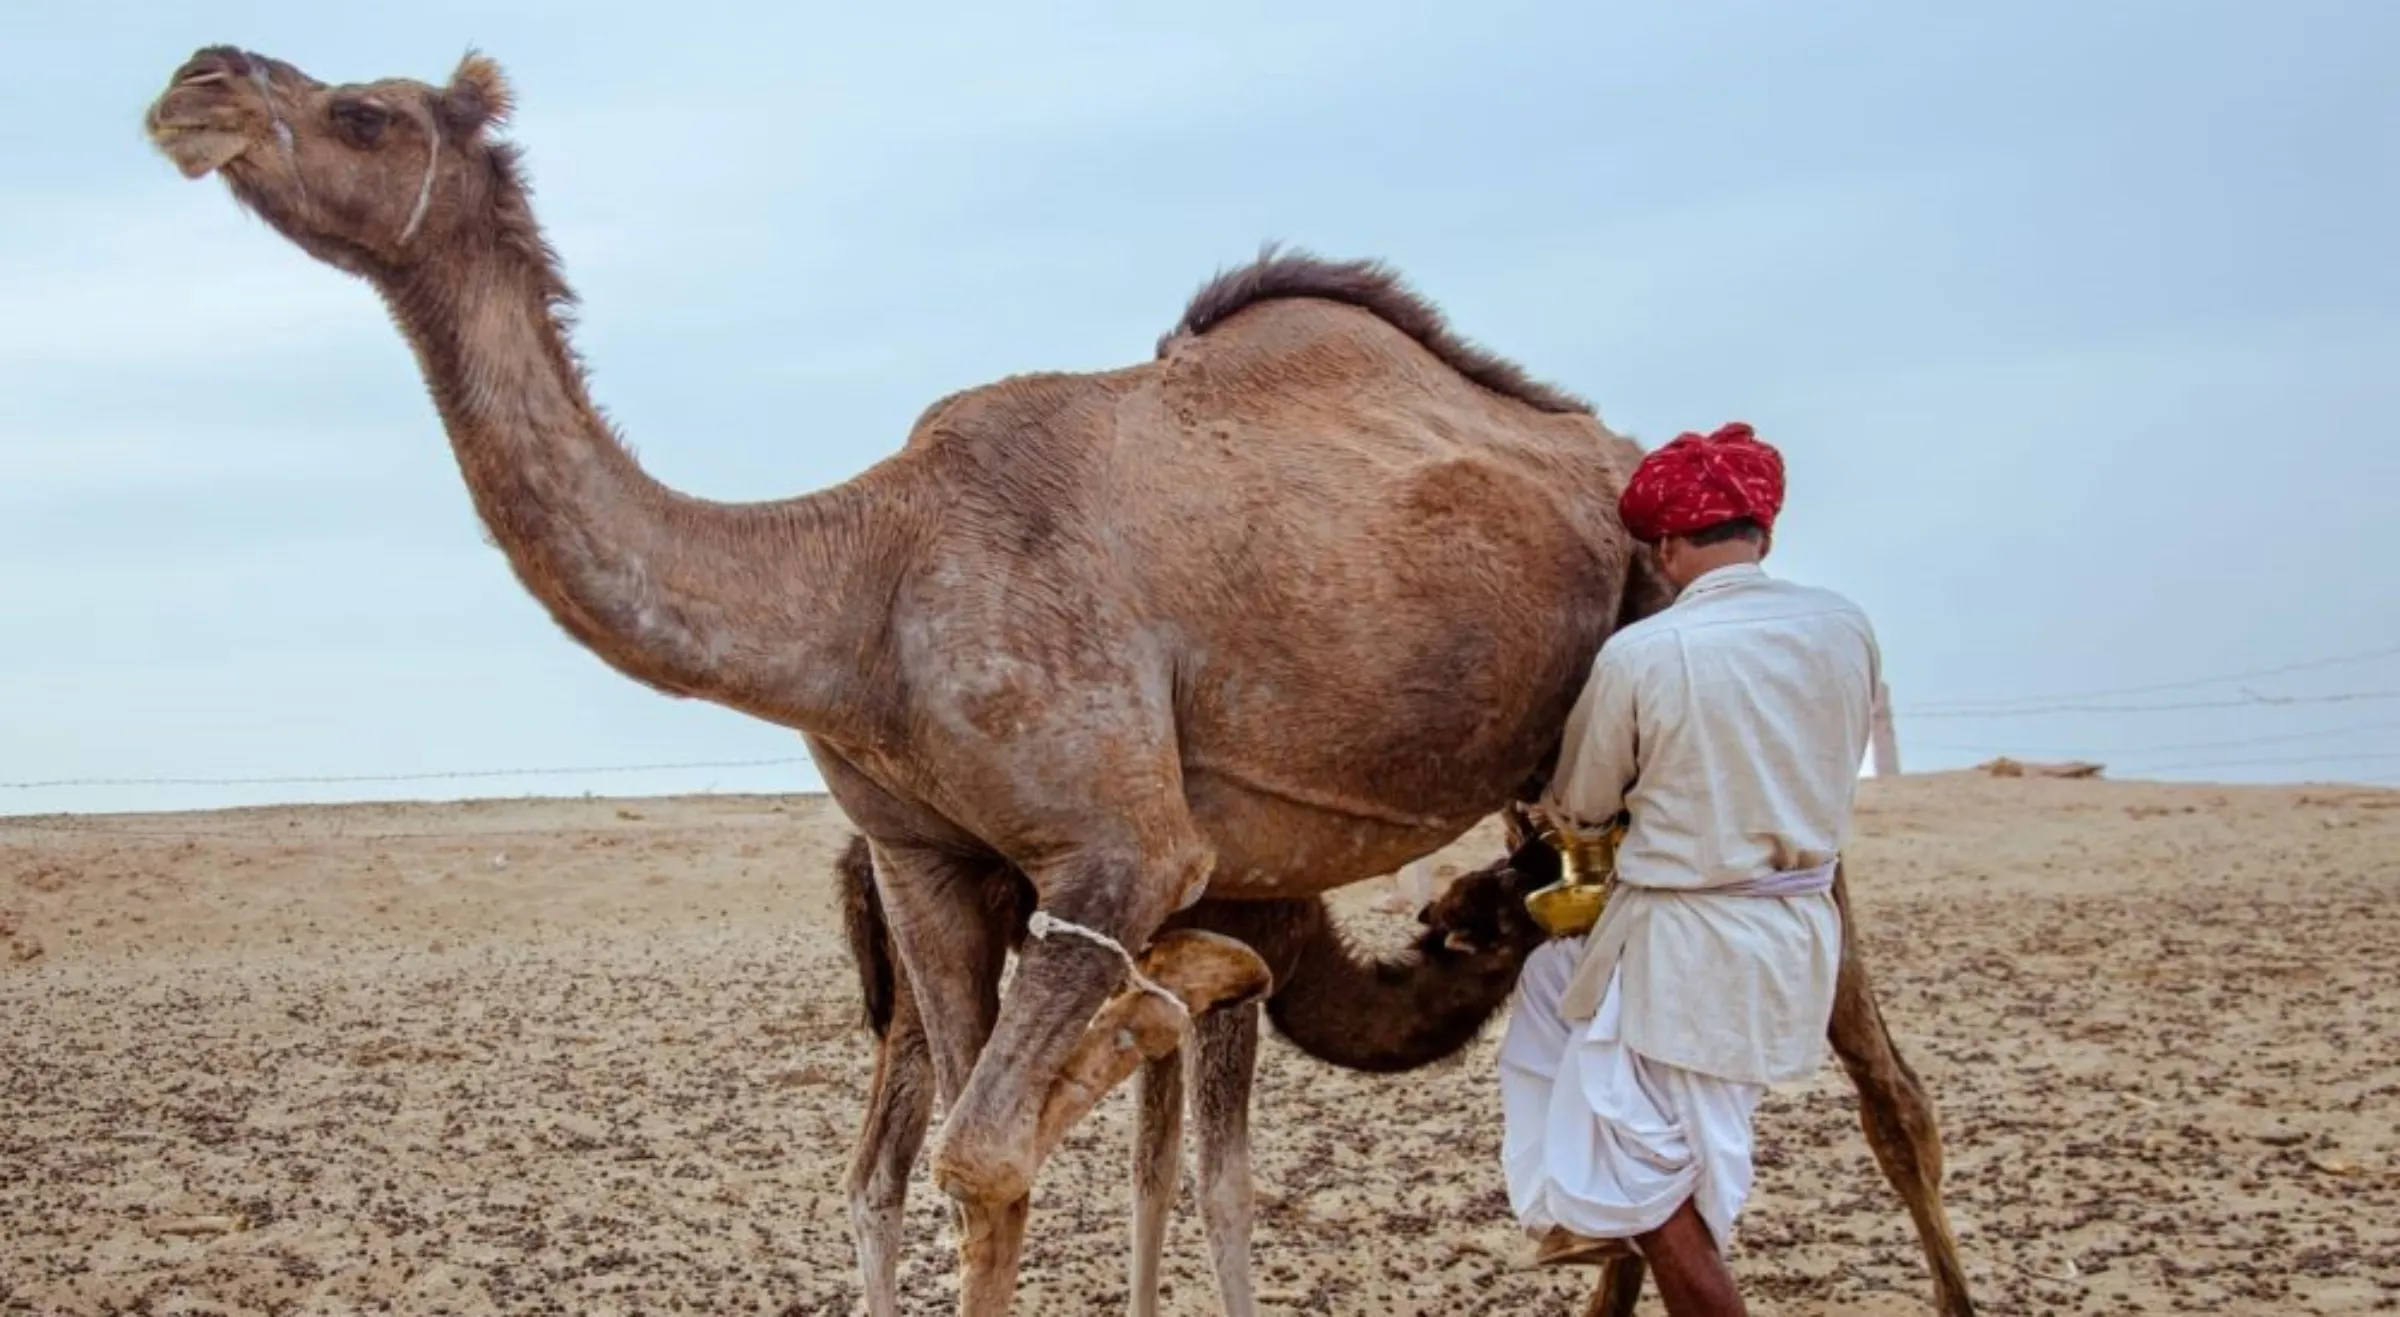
(2194, 683)
(2089, 702)
(2181, 706)
(455, 775)
(2282, 761)
(2237, 743)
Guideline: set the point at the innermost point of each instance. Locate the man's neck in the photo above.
(1732, 553)
(1717, 560)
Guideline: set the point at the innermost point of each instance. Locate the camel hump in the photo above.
(1372, 287)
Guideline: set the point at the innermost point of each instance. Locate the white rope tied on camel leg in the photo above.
(1043, 924)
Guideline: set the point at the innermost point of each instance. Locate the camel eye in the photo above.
(362, 122)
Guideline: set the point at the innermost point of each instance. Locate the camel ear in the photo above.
(477, 97)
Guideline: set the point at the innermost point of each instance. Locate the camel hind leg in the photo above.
(1157, 1171)
(1619, 1288)
(899, 1108)
(1224, 1060)
(1896, 1113)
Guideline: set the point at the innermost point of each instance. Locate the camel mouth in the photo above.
(199, 122)
(198, 149)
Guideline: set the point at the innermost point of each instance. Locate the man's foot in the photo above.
(1561, 1247)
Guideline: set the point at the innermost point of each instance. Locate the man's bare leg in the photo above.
(1691, 1275)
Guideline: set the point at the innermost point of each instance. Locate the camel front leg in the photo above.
(1896, 1113)
(1096, 908)
(1157, 1169)
(899, 1107)
(991, 1247)
(1224, 1059)
(1203, 972)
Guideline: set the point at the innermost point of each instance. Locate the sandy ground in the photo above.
(601, 1057)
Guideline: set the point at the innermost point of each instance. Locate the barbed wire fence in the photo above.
(461, 775)
(2127, 703)
(2124, 702)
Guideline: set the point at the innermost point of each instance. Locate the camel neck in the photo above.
(736, 603)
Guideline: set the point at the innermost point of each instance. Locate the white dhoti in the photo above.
(1598, 1138)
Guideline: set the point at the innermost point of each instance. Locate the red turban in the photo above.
(1696, 481)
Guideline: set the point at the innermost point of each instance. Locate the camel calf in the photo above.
(1379, 1015)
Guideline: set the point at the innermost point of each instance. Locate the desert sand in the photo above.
(603, 1056)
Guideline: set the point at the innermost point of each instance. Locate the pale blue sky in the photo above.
(2076, 321)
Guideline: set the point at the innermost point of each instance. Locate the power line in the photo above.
(2285, 761)
(2249, 700)
(458, 775)
(2237, 743)
(108, 826)
(2284, 738)
(323, 779)
(2308, 665)
(2023, 706)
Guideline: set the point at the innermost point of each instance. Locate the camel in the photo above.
(1298, 599)
(1384, 1016)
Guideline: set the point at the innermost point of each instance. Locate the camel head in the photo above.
(1482, 916)
(370, 177)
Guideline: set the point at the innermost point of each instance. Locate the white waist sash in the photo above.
(1608, 938)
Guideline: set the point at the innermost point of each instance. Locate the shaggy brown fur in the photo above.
(1373, 287)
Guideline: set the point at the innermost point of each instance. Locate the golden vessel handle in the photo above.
(1587, 871)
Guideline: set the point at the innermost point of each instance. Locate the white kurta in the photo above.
(1599, 1138)
(1731, 726)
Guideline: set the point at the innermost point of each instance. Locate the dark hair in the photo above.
(1740, 528)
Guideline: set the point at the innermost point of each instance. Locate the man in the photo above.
(1729, 728)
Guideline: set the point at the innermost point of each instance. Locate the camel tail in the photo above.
(1377, 289)
(867, 935)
